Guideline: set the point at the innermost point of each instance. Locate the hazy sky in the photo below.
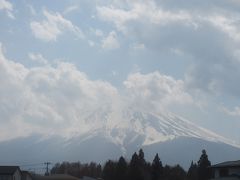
(60, 61)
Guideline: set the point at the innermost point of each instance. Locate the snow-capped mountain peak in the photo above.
(144, 128)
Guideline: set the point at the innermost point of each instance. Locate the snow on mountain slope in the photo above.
(147, 128)
(174, 138)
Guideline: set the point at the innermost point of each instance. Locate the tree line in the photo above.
(136, 169)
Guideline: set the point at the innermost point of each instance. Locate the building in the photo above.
(87, 178)
(55, 177)
(26, 175)
(10, 173)
(229, 170)
(62, 177)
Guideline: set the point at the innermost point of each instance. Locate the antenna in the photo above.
(47, 164)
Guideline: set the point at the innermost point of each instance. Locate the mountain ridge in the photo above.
(156, 128)
(175, 139)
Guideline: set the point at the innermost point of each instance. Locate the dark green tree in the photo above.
(121, 169)
(203, 166)
(177, 173)
(143, 166)
(135, 172)
(108, 172)
(94, 170)
(157, 168)
(192, 173)
(142, 161)
(174, 173)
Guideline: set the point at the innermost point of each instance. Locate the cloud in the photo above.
(234, 112)
(138, 46)
(54, 25)
(229, 25)
(32, 9)
(110, 42)
(209, 38)
(70, 9)
(147, 12)
(156, 91)
(49, 100)
(98, 33)
(62, 100)
(37, 57)
(8, 7)
(215, 64)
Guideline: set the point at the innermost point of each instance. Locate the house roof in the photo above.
(8, 169)
(25, 172)
(227, 164)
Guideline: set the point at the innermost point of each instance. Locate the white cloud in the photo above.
(32, 9)
(98, 33)
(110, 42)
(234, 112)
(61, 100)
(147, 12)
(8, 7)
(54, 25)
(156, 91)
(209, 39)
(229, 25)
(56, 100)
(70, 9)
(37, 57)
(138, 46)
(177, 51)
(5, 5)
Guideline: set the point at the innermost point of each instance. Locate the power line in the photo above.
(35, 167)
(47, 164)
(35, 164)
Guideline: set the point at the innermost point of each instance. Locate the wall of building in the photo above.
(216, 173)
(5, 177)
(234, 171)
(17, 175)
(28, 177)
(226, 178)
(231, 171)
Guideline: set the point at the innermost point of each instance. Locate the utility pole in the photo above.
(47, 164)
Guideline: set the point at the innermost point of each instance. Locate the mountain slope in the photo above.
(174, 138)
(146, 128)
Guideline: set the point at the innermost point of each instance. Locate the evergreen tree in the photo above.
(192, 173)
(145, 172)
(108, 172)
(141, 158)
(203, 166)
(94, 169)
(157, 168)
(174, 173)
(121, 169)
(134, 168)
(177, 173)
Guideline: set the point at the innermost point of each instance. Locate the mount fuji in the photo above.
(177, 140)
